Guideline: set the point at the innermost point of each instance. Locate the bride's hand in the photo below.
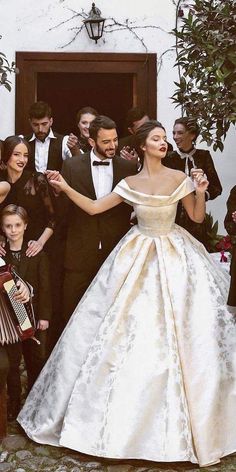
(201, 183)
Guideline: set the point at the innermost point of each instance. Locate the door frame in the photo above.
(143, 67)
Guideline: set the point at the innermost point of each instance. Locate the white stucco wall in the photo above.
(25, 26)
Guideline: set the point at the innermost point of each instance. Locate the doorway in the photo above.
(109, 94)
(109, 82)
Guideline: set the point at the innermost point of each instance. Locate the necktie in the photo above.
(100, 163)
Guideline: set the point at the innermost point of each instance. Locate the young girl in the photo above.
(145, 368)
(35, 271)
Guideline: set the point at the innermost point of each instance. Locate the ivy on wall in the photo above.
(111, 25)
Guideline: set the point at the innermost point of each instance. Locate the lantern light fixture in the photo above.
(94, 23)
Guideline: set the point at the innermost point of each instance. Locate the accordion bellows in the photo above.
(17, 321)
(8, 332)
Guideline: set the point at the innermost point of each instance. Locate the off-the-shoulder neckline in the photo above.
(156, 195)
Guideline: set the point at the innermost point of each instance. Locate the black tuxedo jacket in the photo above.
(55, 160)
(35, 271)
(84, 232)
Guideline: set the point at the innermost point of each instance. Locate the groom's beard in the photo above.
(108, 153)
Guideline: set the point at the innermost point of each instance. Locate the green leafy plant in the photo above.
(217, 242)
(206, 60)
(5, 69)
(213, 238)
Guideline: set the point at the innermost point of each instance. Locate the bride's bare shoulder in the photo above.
(177, 175)
(131, 180)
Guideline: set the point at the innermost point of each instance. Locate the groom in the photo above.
(90, 239)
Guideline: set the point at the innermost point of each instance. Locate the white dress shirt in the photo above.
(42, 148)
(102, 176)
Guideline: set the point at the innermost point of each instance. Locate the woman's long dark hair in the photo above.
(141, 135)
(9, 145)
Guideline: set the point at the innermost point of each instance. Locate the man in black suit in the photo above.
(48, 148)
(48, 151)
(90, 239)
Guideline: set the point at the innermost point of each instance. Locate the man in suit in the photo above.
(48, 148)
(48, 151)
(90, 239)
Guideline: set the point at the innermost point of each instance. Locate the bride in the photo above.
(145, 368)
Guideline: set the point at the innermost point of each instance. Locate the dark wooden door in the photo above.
(109, 94)
(111, 83)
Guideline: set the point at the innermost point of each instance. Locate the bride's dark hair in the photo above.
(142, 134)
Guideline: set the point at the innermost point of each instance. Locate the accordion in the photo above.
(17, 320)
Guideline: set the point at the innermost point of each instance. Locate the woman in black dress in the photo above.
(30, 190)
(185, 133)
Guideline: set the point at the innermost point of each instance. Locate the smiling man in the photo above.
(90, 239)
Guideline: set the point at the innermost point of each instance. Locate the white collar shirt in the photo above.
(102, 176)
(42, 149)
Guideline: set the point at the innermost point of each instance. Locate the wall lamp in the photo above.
(94, 23)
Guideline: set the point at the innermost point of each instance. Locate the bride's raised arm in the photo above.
(92, 207)
(195, 205)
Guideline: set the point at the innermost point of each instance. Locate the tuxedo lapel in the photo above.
(31, 161)
(117, 171)
(86, 176)
(54, 151)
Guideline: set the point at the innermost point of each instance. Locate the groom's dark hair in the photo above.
(99, 122)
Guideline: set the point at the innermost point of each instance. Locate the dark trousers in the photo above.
(10, 358)
(56, 264)
(77, 282)
(4, 367)
(35, 356)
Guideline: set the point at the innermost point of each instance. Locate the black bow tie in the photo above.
(101, 163)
